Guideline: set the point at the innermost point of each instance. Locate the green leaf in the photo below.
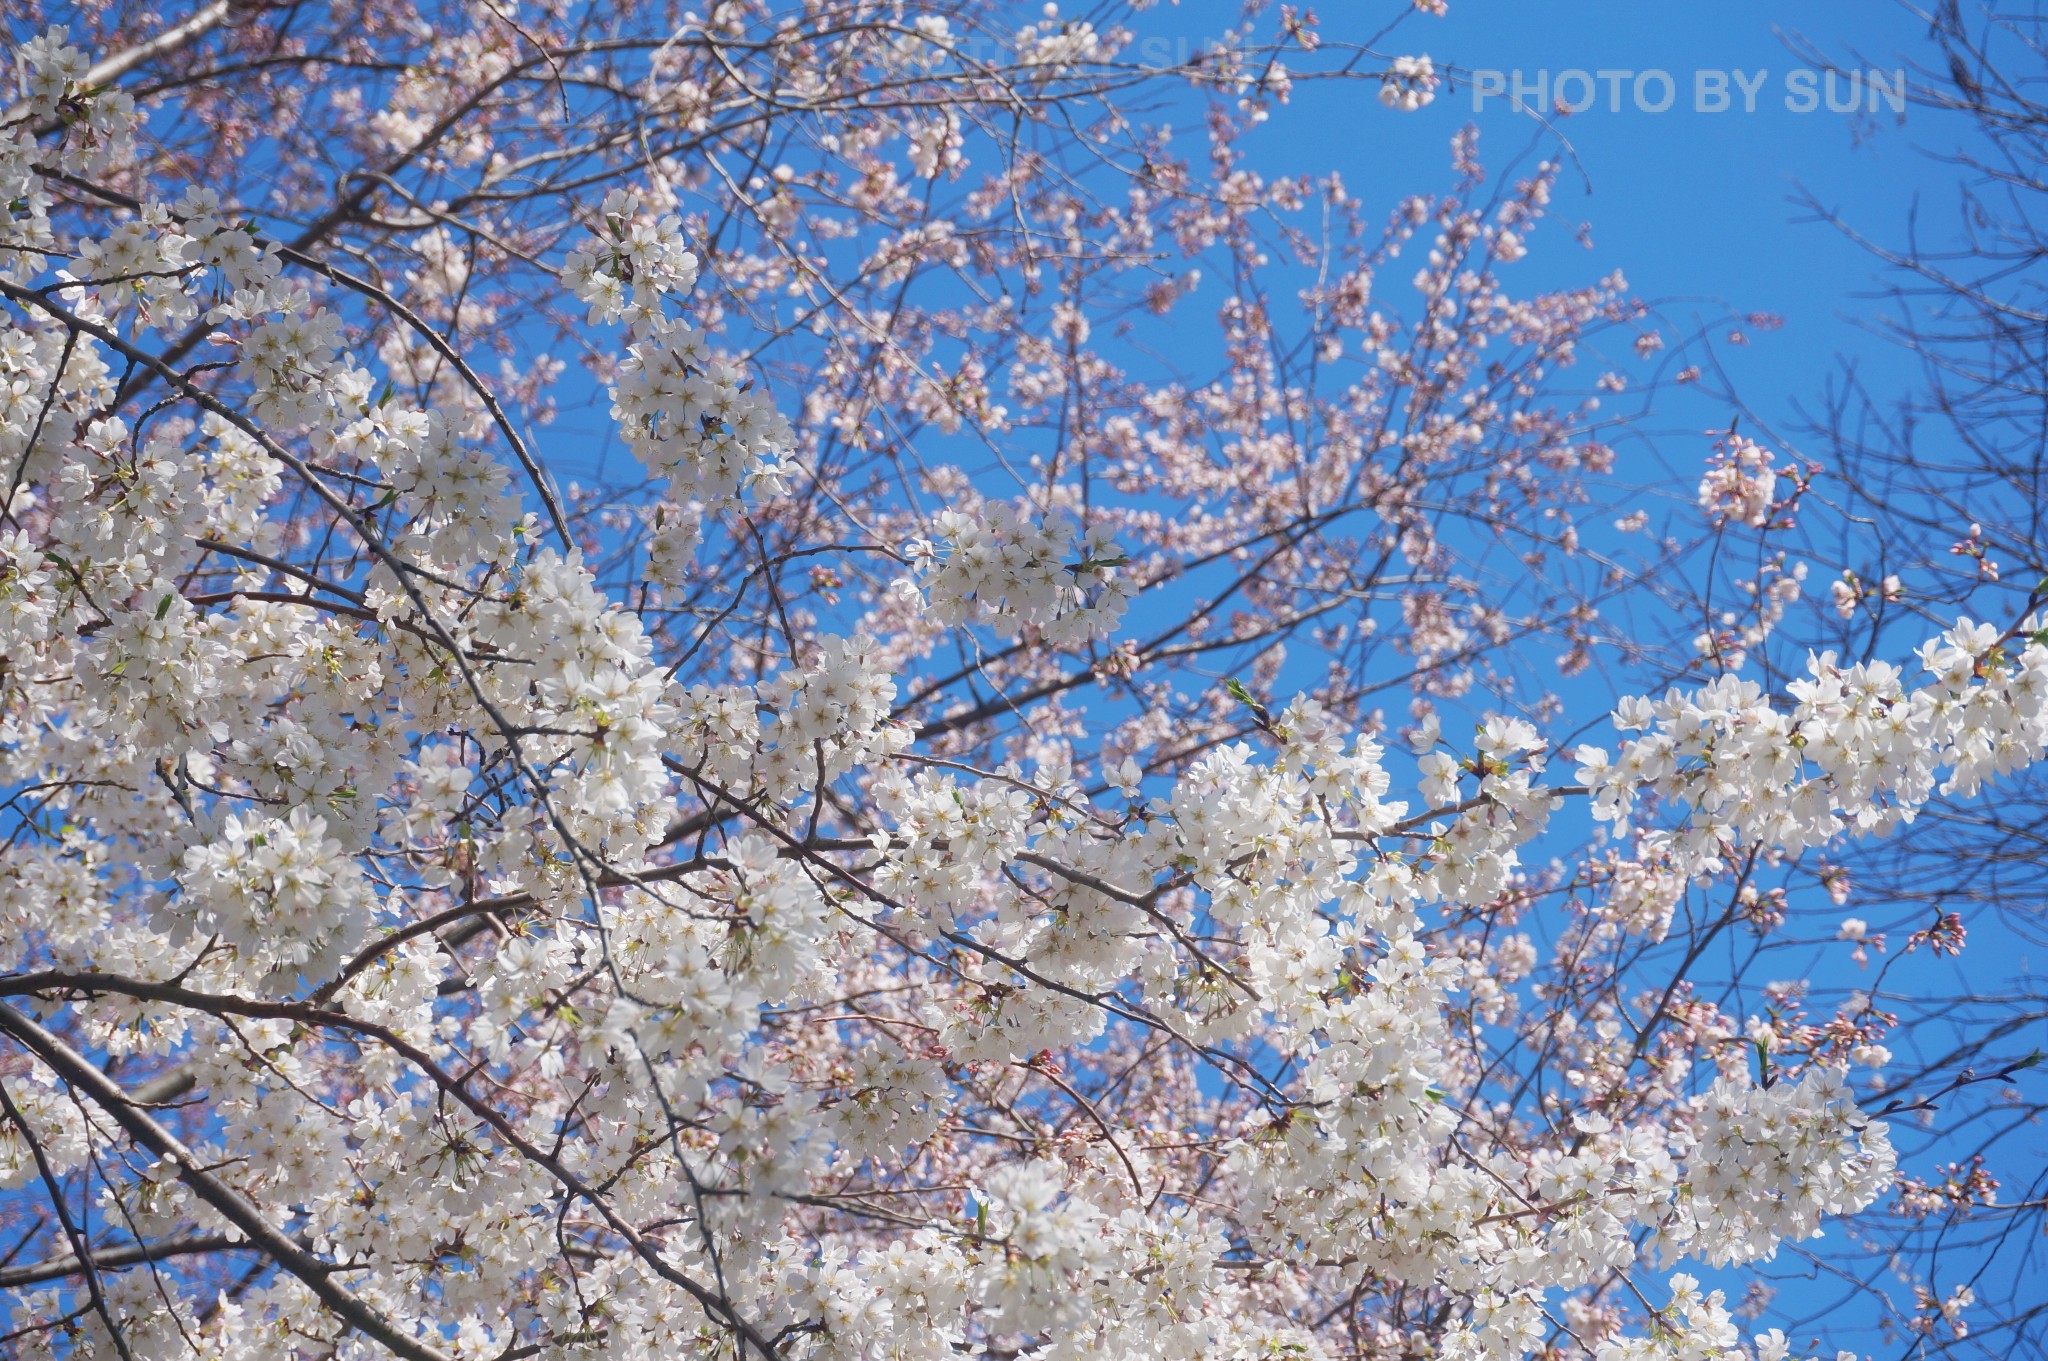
(163, 607)
(1243, 696)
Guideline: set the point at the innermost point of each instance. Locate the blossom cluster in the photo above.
(1857, 751)
(692, 417)
(1409, 84)
(1010, 571)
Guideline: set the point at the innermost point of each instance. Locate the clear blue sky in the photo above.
(1690, 205)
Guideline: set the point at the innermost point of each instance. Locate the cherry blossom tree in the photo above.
(1934, 472)
(716, 684)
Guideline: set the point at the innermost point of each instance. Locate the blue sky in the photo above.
(1688, 203)
(1698, 209)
